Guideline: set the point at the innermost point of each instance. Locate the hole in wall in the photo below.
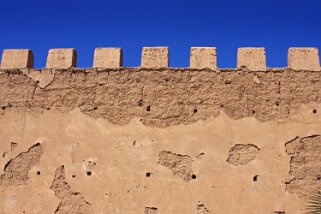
(148, 108)
(73, 176)
(38, 172)
(95, 108)
(88, 173)
(148, 174)
(193, 176)
(314, 111)
(195, 111)
(227, 82)
(253, 112)
(277, 103)
(221, 106)
(255, 178)
(140, 103)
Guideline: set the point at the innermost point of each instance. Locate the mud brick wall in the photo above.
(155, 139)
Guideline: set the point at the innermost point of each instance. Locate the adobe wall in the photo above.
(154, 139)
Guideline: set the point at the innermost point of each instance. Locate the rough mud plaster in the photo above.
(118, 182)
(241, 154)
(180, 165)
(16, 169)
(71, 202)
(108, 128)
(163, 97)
(305, 168)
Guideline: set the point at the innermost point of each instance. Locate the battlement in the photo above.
(206, 137)
(253, 59)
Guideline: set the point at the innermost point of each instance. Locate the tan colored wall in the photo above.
(147, 140)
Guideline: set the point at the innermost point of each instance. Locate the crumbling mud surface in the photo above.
(181, 165)
(242, 154)
(16, 170)
(71, 202)
(163, 97)
(151, 210)
(305, 167)
(201, 209)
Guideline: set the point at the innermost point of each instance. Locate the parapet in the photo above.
(62, 58)
(252, 59)
(108, 58)
(17, 58)
(304, 59)
(155, 57)
(203, 57)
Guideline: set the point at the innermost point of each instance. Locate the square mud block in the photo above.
(17, 58)
(108, 58)
(252, 58)
(154, 57)
(304, 59)
(62, 58)
(203, 57)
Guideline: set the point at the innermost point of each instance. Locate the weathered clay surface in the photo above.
(129, 139)
(16, 169)
(164, 98)
(305, 168)
(71, 202)
(181, 165)
(241, 154)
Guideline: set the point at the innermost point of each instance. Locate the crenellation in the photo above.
(108, 58)
(155, 57)
(72, 139)
(203, 57)
(17, 58)
(304, 59)
(62, 58)
(252, 58)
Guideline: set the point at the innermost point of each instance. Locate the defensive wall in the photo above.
(154, 139)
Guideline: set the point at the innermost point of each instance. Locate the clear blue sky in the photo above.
(179, 24)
